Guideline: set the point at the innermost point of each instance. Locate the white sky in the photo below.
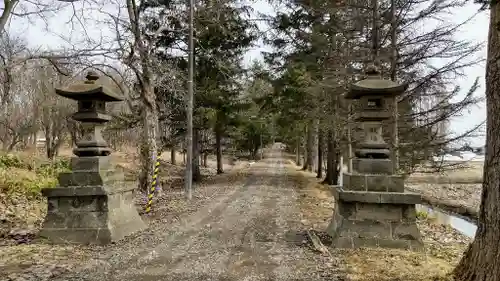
(41, 34)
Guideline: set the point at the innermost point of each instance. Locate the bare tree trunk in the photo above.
(332, 173)
(13, 142)
(480, 262)
(254, 152)
(218, 149)
(11, 146)
(50, 153)
(5, 143)
(52, 146)
(6, 13)
(314, 163)
(25, 141)
(172, 155)
(337, 161)
(393, 70)
(205, 159)
(48, 140)
(320, 154)
(309, 148)
(148, 150)
(49, 147)
(297, 152)
(190, 143)
(305, 156)
(331, 163)
(375, 32)
(74, 136)
(196, 155)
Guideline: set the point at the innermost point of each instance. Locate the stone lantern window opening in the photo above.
(374, 103)
(85, 105)
(92, 106)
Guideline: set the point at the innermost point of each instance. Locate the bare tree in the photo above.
(28, 9)
(16, 123)
(480, 260)
(127, 55)
(54, 111)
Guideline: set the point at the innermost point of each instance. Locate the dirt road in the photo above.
(251, 232)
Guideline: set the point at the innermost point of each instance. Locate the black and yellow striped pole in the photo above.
(154, 184)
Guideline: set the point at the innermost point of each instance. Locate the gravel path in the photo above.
(250, 232)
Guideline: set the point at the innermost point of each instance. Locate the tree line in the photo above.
(295, 96)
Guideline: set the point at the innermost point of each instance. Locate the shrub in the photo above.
(53, 168)
(421, 215)
(24, 182)
(16, 178)
(12, 161)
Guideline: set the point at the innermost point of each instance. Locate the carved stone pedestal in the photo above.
(374, 219)
(91, 206)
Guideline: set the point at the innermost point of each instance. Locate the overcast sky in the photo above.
(39, 34)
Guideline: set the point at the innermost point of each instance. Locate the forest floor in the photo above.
(244, 225)
(248, 224)
(22, 208)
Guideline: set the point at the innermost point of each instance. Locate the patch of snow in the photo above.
(464, 156)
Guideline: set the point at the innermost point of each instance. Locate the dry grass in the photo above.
(384, 264)
(470, 173)
(43, 260)
(316, 206)
(457, 191)
(462, 199)
(443, 250)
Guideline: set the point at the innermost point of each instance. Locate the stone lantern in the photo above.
(91, 205)
(372, 207)
(374, 96)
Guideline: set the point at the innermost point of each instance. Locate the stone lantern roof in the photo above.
(90, 89)
(374, 85)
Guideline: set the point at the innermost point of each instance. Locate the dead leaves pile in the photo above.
(39, 261)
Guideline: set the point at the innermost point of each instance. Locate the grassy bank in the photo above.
(461, 199)
(456, 190)
(24, 174)
(21, 180)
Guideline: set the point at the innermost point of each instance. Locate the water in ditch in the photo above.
(458, 223)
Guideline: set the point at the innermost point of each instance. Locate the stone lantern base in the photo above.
(91, 206)
(373, 210)
(375, 219)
